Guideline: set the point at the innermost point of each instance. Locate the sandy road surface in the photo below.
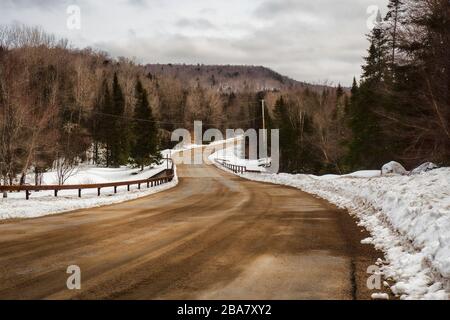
(214, 236)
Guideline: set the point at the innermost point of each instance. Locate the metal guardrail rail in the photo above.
(232, 167)
(164, 177)
(235, 168)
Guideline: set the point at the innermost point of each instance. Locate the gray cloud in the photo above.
(200, 23)
(336, 10)
(44, 4)
(138, 3)
(306, 40)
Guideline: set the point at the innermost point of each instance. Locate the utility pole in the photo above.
(264, 129)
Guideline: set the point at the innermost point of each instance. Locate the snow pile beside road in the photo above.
(393, 168)
(408, 217)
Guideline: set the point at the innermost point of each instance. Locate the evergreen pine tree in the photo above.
(375, 68)
(339, 91)
(354, 89)
(101, 125)
(287, 136)
(341, 103)
(145, 132)
(367, 148)
(393, 18)
(120, 133)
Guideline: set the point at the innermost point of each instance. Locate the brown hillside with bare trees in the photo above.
(227, 78)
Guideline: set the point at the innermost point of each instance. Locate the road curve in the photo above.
(214, 236)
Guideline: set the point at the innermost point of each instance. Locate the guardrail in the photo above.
(232, 167)
(235, 168)
(163, 177)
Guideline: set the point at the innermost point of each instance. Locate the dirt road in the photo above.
(213, 236)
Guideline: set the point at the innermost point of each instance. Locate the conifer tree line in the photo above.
(120, 140)
(399, 110)
(401, 107)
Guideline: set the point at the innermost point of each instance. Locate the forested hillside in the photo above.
(226, 78)
(60, 105)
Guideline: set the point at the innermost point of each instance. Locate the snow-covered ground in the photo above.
(45, 203)
(235, 158)
(408, 217)
(90, 174)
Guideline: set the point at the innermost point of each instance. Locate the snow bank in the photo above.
(393, 168)
(44, 202)
(425, 167)
(408, 218)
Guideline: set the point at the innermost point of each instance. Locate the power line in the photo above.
(164, 122)
(156, 121)
(149, 121)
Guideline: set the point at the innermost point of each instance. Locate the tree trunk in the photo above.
(22, 179)
(96, 152)
(36, 176)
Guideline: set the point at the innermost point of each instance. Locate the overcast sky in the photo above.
(308, 40)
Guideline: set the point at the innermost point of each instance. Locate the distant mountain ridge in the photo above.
(227, 78)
